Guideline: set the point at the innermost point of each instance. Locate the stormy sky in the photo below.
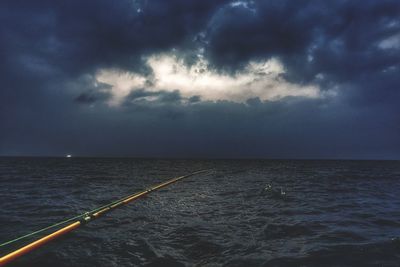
(200, 79)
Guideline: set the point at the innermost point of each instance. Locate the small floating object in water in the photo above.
(283, 193)
(68, 156)
(268, 187)
(274, 192)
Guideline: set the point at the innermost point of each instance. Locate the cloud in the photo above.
(200, 78)
(91, 97)
(393, 42)
(160, 97)
(169, 73)
(337, 40)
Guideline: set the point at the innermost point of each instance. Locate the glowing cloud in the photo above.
(261, 79)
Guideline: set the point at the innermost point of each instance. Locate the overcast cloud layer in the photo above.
(219, 79)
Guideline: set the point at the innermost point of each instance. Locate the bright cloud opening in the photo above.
(261, 79)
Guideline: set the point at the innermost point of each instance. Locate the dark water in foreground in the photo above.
(335, 213)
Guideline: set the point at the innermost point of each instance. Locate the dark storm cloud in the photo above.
(92, 91)
(337, 40)
(77, 36)
(260, 29)
(51, 103)
(331, 32)
(146, 97)
(194, 99)
(90, 97)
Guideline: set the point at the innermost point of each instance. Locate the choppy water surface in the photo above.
(317, 213)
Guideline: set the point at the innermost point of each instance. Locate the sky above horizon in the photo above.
(200, 79)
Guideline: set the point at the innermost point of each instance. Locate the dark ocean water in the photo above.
(333, 213)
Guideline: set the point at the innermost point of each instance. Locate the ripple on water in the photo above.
(335, 213)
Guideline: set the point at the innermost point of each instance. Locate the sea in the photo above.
(241, 213)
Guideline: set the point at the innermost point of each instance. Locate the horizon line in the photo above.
(196, 158)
